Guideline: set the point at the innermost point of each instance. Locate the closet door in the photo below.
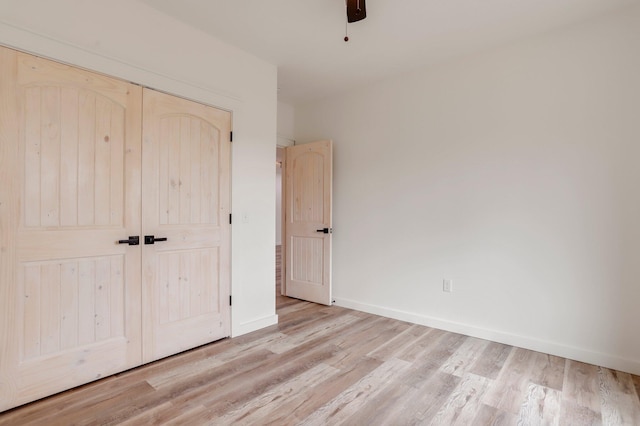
(186, 197)
(70, 144)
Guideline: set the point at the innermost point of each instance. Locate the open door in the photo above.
(308, 222)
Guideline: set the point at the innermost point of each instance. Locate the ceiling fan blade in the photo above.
(356, 10)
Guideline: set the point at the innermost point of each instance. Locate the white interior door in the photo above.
(308, 224)
(69, 191)
(186, 200)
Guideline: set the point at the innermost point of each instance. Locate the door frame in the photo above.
(90, 60)
(189, 92)
(283, 143)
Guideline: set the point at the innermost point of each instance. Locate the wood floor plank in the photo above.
(218, 391)
(175, 361)
(572, 413)
(387, 405)
(257, 409)
(193, 369)
(487, 415)
(258, 334)
(548, 370)
(463, 403)
(196, 415)
(380, 408)
(349, 401)
(294, 305)
(441, 350)
(310, 313)
(420, 373)
(296, 409)
(464, 357)
(264, 378)
(329, 326)
(581, 385)
(65, 407)
(358, 345)
(300, 319)
(491, 361)
(636, 383)
(105, 404)
(618, 397)
(330, 365)
(541, 406)
(399, 343)
(158, 415)
(508, 391)
(428, 340)
(425, 401)
(424, 386)
(183, 391)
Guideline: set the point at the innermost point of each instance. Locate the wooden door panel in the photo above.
(308, 188)
(187, 193)
(189, 151)
(71, 294)
(71, 242)
(307, 210)
(307, 254)
(184, 279)
(74, 154)
(70, 303)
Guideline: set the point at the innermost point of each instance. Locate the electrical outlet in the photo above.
(447, 286)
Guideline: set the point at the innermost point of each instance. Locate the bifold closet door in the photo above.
(70, 186)
(114, 241)
(186, 204)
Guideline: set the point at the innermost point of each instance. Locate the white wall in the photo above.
(514, 173)
(286, 127)
(129, 40)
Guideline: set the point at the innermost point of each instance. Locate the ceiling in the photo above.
(304, 38)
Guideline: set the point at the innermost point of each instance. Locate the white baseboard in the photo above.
(254, 325)
(548, 347)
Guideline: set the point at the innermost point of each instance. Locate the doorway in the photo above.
(304, 224)
(280, 153)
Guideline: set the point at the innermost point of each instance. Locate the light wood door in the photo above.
(186, 197)
(308, 221)
(69, 191)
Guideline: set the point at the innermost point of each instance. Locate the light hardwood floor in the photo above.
(328, 365)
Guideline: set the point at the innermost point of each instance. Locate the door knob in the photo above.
(325, 230)
(132, 241)
(150, 239)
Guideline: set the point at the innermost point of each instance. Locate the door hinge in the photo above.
(229, 300)
(229, 218)
(230, 136)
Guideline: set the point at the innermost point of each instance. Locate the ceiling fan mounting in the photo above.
(356, 10)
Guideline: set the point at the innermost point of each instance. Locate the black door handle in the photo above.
(132, 241)
(150, 239)
(325, 230)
